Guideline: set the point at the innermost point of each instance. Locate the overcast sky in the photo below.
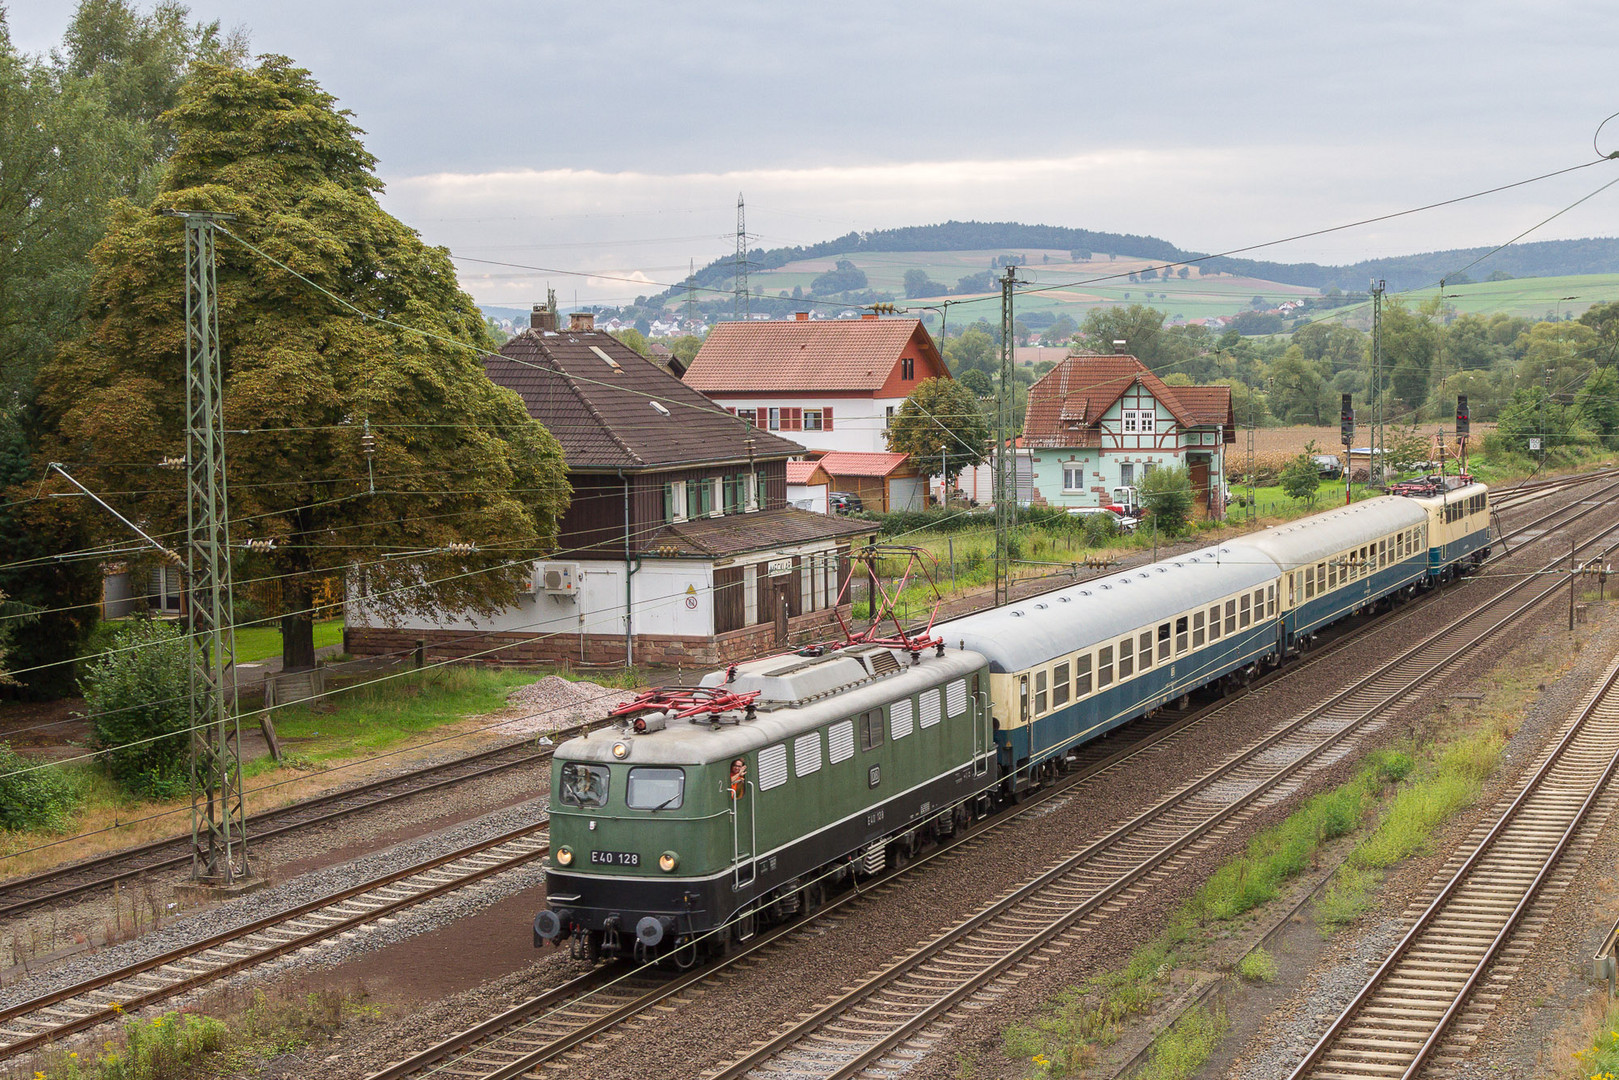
(614, 137)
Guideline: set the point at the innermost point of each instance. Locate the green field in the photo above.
(1077, 287)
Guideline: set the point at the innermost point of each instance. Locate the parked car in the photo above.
(1124, 522)
(1328, 466)
(844, 503)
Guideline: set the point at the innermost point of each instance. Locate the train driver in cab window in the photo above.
(584, 785)
(739, 777)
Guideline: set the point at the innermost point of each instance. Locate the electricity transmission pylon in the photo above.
(218, 818)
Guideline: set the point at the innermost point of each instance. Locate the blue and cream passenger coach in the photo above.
(1069, 665)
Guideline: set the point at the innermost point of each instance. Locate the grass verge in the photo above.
(257, 643)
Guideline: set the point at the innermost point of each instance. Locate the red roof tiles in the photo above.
(852, 463)
(804, 355)
(1066, 404)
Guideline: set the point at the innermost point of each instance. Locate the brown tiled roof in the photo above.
(803, 354)
(1209, 405)
(858, 463)
(1081, 388)
(604, 415)
(736, 534)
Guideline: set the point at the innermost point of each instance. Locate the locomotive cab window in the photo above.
(655, 789)
(584, 785)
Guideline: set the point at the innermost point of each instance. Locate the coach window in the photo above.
(1082, 676)
(1197, 629)
(1230, 616)
(1060, 684)
(871, 729)
(1039, 693)
(1180, 635)
(1244, 622)
(1270, 601)
(1163, 642)
(660, 789)
(1332, 574)
(1259, 604)
(1144, 661)
(1214, 623)
(1127, 658)
(1104, 666)
(1309, 590)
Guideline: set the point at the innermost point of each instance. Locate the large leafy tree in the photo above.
(942, 426)
(76, 132)
(456, 460)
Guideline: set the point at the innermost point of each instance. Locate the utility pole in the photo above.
(741, 259)
(218, 818)
(1375, 463)
(1005, 478)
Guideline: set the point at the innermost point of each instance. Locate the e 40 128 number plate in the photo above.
(616, 858)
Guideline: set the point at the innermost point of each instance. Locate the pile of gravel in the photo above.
(555, 702)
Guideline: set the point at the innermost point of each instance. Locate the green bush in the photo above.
(1100, 529)
(1167, 495)
(172, 1045)
(31, 797)
(1257, 966)
(137, 703)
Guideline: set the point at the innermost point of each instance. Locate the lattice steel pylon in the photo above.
(1005, 455)
(218, 826)
(742, 305)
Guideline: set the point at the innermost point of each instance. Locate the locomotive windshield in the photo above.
(655, 789)
(584, 785)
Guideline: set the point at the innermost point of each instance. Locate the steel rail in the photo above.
(465, 1047)
(88, 1011)
(1075, 912)
(329, 806)
(1472, 867)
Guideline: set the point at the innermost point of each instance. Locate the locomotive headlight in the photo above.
(668, 861)
(621, 749)
(564, 856)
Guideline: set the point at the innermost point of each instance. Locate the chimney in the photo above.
(542, 318)
(872, 315)
(801, 316)
(581, 320)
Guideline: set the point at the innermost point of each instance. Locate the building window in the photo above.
(812, 419)
(674, 501)
(1127, 473)
(1073, 477)
(774, 420)
(750, 415)
(1140, 421)
(907, 368)
(699, 499)
(736, 493)
(888, 417)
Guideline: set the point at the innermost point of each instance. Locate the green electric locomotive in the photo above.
(706, 813)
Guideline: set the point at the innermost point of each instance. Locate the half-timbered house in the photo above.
(1096, 423)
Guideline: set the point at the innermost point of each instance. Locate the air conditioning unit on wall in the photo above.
(558, 579)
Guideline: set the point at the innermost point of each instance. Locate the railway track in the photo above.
(22, 894)
(883, 1023)
(1401, 1018)
(863, 1025)
(46, 1019)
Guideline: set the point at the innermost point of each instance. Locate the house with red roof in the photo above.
(808, 486)
(826, 384)
(1095, 423)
